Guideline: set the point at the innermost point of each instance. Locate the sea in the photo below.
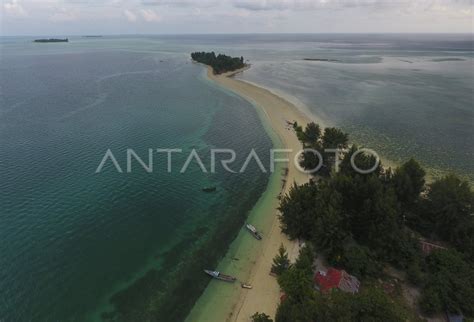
(78, 244)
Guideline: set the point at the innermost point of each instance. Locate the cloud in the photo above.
(14, 8)
(130, 15)
(182, 3)
(64, 15)
(259, 5)
(149, 15)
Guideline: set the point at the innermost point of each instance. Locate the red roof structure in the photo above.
(335, 278)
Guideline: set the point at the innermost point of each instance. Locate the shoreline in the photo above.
(224, 302)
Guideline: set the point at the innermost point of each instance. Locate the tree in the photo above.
(331, 229)
(362, 160)
(281, 262)
(297, 211)
(409, 181)
(306, 259)
(334, 138)
(360, 261)
(220, 63)
(449, 284)
(448, 213)
(373, 305)
(311, 134)
(261, 317)
(297, 284)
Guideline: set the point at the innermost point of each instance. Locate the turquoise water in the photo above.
(75, 243)
(71, 238)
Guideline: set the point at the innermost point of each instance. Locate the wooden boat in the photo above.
(253, 231)
(220, 276)
(209, 189)
(248, 286)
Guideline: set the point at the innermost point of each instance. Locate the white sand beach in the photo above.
(222, 302)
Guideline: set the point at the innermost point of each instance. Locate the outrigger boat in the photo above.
(220, 276)
(253, 231)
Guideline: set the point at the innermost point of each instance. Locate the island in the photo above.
(51, 40)
(220, 63)
(321, 59)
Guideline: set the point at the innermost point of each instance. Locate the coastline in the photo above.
(225, 302)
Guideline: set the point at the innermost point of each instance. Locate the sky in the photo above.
(79, 17)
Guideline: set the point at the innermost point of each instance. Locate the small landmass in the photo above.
(51, 40)
(220, 63)
(440, 60)
(321, 59)
(92, 36)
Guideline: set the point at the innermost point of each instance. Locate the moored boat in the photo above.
(253, 231)
(220, 276)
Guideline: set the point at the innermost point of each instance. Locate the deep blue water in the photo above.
(70, 237)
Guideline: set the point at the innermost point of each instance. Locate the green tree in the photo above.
(448, 213)
(297, 211)
(360, 261)
(409, 182)
(362, 160)
(373, 305)
(334, 138)
(449, 284)
(331, 229)
(281, 262)
(261, 317)
(312, 134)
(297, 284)
(306, 259)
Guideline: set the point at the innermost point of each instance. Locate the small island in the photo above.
(321, 59)
(51, 40)
(220, 63)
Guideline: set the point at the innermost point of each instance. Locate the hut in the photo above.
(334, 278)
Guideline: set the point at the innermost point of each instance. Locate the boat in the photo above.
(253, 231)
(220, 276)
(209, 189)
(246, 286)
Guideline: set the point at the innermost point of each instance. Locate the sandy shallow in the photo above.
(248, 259)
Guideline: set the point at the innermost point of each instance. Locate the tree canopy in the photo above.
(281, 262)
(220, 63)
(360, 222)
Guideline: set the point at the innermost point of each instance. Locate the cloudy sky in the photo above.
(71, 17)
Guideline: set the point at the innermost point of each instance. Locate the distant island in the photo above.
(92, 36)
(52, 40)
(321, 59)
(220, 63)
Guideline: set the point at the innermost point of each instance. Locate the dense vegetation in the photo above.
(303, 303)
(52, 40)
(220, 63)
(364, 222)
